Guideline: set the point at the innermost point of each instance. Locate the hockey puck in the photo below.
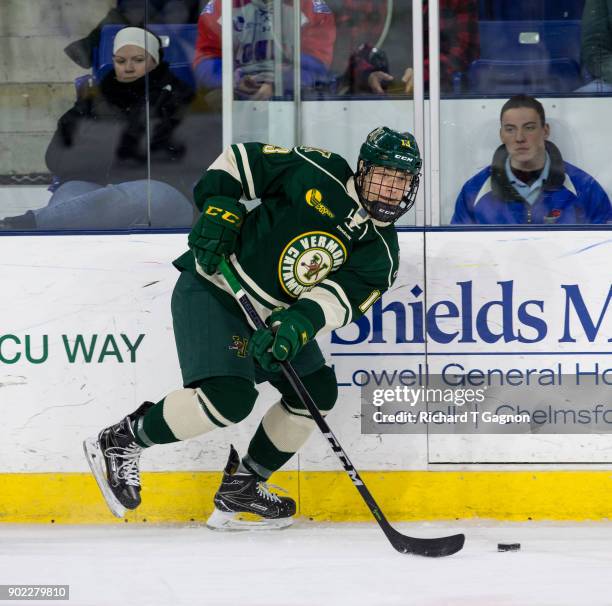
(508, 546)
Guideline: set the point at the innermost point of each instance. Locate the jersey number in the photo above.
(318, 150)
(275, 149)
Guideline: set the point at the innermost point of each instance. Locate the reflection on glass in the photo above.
(137, 13)
(263, 47)
(373, 53)
(459, 42)
(597, 46)
(380, 59)
(100, 151)
(528, 182)
(528, 47)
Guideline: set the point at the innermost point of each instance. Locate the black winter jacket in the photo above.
(103, 138)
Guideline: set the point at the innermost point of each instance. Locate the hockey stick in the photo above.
(433, 548)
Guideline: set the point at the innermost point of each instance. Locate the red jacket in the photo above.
(253, 44)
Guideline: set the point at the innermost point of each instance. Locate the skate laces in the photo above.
(263, 490)
(128, 468)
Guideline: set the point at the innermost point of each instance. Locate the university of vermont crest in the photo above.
(308, 259)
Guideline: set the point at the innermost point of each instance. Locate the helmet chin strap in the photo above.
(384, 213)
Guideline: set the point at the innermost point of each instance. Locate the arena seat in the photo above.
(530, 39)
(516, 10)
(528, 56)
(485, 10)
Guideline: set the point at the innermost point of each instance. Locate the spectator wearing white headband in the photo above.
(100, 151)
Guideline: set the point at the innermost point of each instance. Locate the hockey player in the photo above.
(317, 252)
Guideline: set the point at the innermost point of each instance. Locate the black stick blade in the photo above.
(429, 548)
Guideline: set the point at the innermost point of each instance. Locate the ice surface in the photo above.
(312, 565)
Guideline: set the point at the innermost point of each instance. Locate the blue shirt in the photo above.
(529, 192)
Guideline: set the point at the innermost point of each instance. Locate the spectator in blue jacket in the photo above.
(528, 180)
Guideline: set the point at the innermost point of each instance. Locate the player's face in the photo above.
(132, 62)
(524, 136)
(386, 184)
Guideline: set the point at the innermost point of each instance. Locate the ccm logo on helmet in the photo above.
(400, 157)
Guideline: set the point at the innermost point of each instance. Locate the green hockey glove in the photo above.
(215, 234)
(289, 331)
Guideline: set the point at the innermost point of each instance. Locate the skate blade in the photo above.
(230, 521)
(94, 457)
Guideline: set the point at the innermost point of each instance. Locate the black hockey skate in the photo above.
(245, 503)
(114, 457)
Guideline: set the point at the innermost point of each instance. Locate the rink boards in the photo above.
(86, 335)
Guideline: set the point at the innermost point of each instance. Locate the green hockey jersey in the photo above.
(309, 242)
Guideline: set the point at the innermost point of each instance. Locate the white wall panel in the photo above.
(58, 289)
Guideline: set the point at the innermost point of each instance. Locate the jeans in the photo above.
(84, 205)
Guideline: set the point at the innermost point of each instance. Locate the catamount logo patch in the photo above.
(308, 259)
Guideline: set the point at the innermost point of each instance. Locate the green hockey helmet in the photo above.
(389, 193)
